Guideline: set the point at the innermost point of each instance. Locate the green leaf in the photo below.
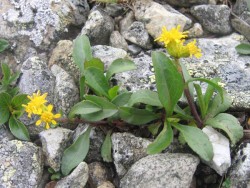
(201, 101)
(154, 128)
(18, 129)
(82, 87)
(210, 82)
(81, 51)
(229, 124)
(107, 148)
(197, 141)
(136, 116)
(75, 153)
(84, 107)
(6, 74)
(5, 100)
(122, 99)
(120, 65)
(113, 92)
(56, 176)
(145, 97)
(14, 77)
(97, 81)
(96, 63)
(209, 92)
(108, 109)
(216, 106)
(18, 100)
(181, 113)
(3, 45)
(243, 49)
(187, 76)
(163, 140)
(169, 81)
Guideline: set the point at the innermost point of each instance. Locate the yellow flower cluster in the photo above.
(174, 43)
(37, 106)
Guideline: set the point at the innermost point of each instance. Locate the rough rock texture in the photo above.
(242, 26)
(30, 24)
(127, 149)
(118, 41)
(114, 9)
(106, 184)
(186, 3)
(98, 173)
(220, 59)
(137, 34)
(54, 142)
(66, 93)
(174, 170)
(195, 31)
(98, 27)
(62, 56)
(155, 16)
(239, 173)
(214, 18)
(240, 6)
(5, 134)
(78, 178)
(126, 21)
(107, 53)
(222, 159)
(21, 164)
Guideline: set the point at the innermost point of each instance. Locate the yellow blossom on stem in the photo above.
(193, 49)
(36, 103)
(172, 35)
(48, 117)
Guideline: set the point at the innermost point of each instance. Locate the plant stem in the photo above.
(191, 103)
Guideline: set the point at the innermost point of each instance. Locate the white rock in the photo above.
(221, 160)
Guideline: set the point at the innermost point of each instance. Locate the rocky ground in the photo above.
(41, 34)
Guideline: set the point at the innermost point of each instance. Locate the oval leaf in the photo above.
(197, 141)
(113, 92)
(107, 148)
(169, 81)
(145, 97)
(5, 100)
(229, 124)
(97, 81)
(122, 99)
(94, 62)
(81, 51)
(136, 116)
(120, 65)
(243, 48)
(75, 153)
(163, 140)
(3, 45)
(84, 107)
(18, 100)
(18, 129)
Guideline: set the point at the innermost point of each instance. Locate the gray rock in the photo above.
(5, 134)
(186, 3)
(98, 173)
(127, 149)
(137, 34)
(108, 54)
(66, 92)
(106, 184)
(214, 18)
(96, 139)
(239, 173)
(38, 23)
(62, 56)
(54, 142)
(21, 164)
(78, 178)
(155, 16)
(118, 41)
(221, 148)
(220, 59)
(98, 27)
(240, 6)
(161, 170)
(242, 27)
(134, 49)
(127, 20)
(114, 9)
(195, 31)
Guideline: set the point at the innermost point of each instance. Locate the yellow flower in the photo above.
(36, 104)
(48, 117)
(193, 49)
(173, 35)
